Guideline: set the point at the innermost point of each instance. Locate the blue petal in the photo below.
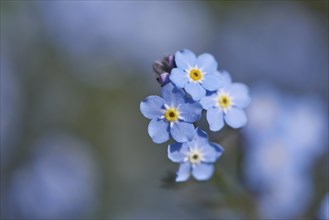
(185, 59)
(151, 107)
(178, 77)
(236, 118)
(211, 152)
(225, 78)
(212, 81)
(158, 130)
(195, 90)
(191, 112)
(215, 119)
(177, 152)
(182, 131)
(209, 102)
(201, 137)
(241, 95)
(207, 63)
(203, 171)
(172, 95)
(183, 172)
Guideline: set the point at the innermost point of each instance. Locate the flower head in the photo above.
(196, 157)
(226, 104)
(171, 115)
(195, 74)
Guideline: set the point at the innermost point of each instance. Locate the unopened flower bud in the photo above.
(163, 68)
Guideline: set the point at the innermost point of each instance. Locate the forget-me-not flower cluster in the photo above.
(191, 84)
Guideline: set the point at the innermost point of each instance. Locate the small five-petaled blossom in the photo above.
(172, 115)
(195, 74)
(196, 157)
(226, 104)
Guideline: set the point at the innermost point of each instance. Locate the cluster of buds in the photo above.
(163, 68)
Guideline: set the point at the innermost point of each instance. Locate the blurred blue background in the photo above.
(74, 144)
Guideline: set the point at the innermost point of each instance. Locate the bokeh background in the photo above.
(74, 144)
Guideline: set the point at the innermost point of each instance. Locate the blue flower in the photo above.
(226, 104)
(172, 115)
(196, 157)
(195, 74)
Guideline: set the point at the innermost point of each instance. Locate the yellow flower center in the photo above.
(194, 157)
(171, 114)
(196, 74)
(224, 101)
